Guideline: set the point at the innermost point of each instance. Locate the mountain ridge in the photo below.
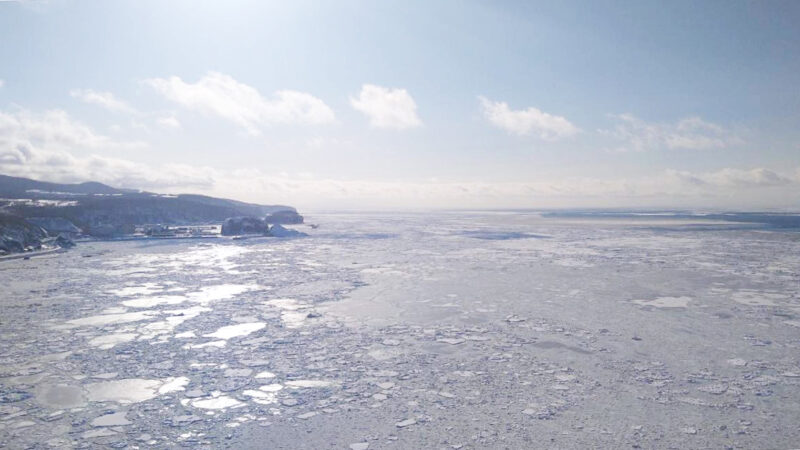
(99, 210)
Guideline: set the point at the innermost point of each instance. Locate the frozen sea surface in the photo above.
(459, 330)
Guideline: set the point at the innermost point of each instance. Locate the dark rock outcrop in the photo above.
(55, 225)
(64, 241)
(236, 226)
(18, 235)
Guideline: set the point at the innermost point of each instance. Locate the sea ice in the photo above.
(110, 319)
(108, 341)
(173, 385)
(131, 390)
(220, 292)
(217, 344)
(60, 396)
(232, 331)
(221, 402)
(117, 419)
(756, 298)
(271, 387)
(405, 423)
(666, 302)
(298, 384)
(143, 289)
(238, 372)
(149, 302)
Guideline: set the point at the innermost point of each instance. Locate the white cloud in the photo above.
(50, 145)
(23, 132)
(103, 99)
(745, 178)
(691, 133)
(526, 121)
(734, 188)
(169, 122)
(387, 107)
(2, 83)
(220, 95)
(43, 146)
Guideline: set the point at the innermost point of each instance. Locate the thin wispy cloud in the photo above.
(169, 122)
(38, 6)
(691, 133)
(527, 121)
(391, 108)
(220, 95)
(729, 177)
(105, 100)
(660, 186)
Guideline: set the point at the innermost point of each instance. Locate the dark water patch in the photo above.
(549, 345)
(8, 395)
(709, 227)
(501, 235)
(783, 221)
(367, 236)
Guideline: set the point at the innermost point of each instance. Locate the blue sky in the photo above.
(410, 104)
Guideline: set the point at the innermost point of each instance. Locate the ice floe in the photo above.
(666, 302)
(238, 330)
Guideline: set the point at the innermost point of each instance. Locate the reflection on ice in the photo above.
(288, 304)
(231, 331)
(205, 295)
(149, 302)
(143, 289)
(110, 340)
(275, 387)
(109, 319)
(221, 292)
(220, 402)
(666, 302)
(175, 318)
(132, 390)
(261, 397)
(293, 319)
(218, 344)
(293, 315)
(173, 385)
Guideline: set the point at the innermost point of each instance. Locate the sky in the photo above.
(410, 105)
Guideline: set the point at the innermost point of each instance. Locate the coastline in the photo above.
(28, 255)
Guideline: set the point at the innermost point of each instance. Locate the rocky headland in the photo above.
(34, 214)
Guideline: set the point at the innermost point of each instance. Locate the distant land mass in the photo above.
(32, 211)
